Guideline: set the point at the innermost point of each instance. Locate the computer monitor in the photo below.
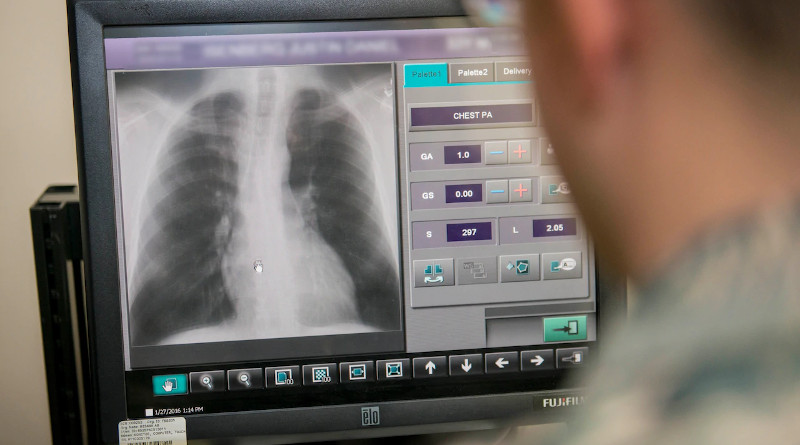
(322, 219)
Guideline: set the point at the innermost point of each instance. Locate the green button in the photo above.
(170, 385)
(570, 328)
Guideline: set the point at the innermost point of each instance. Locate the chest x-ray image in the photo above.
(257, 203)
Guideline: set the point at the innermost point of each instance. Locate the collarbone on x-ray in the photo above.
(264, 213)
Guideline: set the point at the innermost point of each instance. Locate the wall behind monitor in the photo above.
(37, 148)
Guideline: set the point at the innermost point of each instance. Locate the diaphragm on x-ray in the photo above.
(258, 203)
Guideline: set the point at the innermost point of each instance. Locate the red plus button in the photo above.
(520, 151)
(521, 191)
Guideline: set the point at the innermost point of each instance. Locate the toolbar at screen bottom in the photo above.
(503, 362)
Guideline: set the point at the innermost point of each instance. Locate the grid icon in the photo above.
(320, 375)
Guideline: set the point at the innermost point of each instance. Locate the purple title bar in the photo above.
(142, 53)
(471, 115)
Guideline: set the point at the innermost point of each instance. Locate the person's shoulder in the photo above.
(710, 356)
(754, 257)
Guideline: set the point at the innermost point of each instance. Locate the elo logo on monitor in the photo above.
(370, 416)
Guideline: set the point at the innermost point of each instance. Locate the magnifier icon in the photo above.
(245, 379)
(206, 381)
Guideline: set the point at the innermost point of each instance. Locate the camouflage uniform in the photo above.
(712, 352)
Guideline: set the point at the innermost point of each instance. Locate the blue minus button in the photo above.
(170, 385)
(425, 75)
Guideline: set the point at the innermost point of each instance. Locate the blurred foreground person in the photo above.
(677, 123)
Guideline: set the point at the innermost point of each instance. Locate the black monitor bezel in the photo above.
(87, 20)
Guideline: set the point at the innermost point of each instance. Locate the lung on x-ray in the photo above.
(258, 202)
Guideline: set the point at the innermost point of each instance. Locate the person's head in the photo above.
(668, 116)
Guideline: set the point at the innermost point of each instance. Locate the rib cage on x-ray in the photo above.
(181, 283)
(261, 167)
(328, 154)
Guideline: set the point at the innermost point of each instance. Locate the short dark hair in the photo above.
(765, 31)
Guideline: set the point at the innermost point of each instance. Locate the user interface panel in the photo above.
(311, 215)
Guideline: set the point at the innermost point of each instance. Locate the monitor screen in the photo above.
(322, 214)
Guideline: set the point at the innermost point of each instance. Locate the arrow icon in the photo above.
(430, 367)
(466, 366)
(501, 363)
(538, 360)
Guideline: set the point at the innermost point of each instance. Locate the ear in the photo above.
(577, 46)
(595, 29)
